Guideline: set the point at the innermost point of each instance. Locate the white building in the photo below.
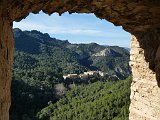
(83, 76)
(91, 73)
(72, 76)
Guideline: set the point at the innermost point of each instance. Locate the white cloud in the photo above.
(55, 29)
(72, 30)
(81, 26)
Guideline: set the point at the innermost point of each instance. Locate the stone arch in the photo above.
(139, 17)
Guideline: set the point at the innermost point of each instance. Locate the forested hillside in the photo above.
(40, 63)
(107, 100)
(39, 50)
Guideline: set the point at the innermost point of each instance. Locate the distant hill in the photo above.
(42, 50)
(39, 65)
(34, 41)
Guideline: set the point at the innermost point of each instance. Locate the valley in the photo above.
(47, 71)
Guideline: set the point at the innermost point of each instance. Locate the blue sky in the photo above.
(76, 28)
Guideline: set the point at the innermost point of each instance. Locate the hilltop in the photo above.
(39, 49)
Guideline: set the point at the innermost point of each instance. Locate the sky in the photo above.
(76, 28)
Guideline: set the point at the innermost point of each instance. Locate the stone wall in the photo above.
(145, 93)
(6, 59)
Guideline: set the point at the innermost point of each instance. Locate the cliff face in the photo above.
(139, 17)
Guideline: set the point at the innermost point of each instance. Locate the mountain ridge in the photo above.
(40, 63)
(80, 57)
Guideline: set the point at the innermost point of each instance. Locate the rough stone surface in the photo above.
(6, 59)
(139, 17)
(145, 94)
(133, 15)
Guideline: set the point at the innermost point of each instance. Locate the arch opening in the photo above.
(86, 30)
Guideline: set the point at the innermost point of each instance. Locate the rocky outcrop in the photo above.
(145, 94)
(6, 59)
(105, 52)
(139, 17)
(150, 42)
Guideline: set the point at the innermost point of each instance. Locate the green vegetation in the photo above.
(34, 50)
(39, 65)
(107, 100)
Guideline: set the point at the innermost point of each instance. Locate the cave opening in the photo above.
(94, 47)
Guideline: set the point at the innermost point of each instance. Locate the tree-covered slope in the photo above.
(70, 58)
(107, 100)
(40, 63)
